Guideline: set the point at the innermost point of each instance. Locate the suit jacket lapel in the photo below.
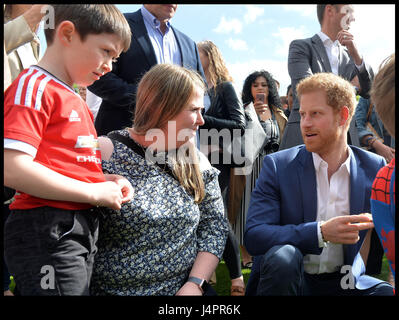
(307, 178)
(179, 44)
(357, 200)
(140, 33)
(321, 51)
(35, 48)
(341, 61)
(357, 190)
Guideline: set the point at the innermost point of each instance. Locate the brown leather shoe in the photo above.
(237, 291)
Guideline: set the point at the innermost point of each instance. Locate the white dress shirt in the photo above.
(332, 201)
(165, 45)
(333, 52)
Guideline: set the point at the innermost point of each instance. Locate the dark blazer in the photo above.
(118, 88)
(226, 110)
(283, 206)
(307, 57)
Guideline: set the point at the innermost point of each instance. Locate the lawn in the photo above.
(222, 286)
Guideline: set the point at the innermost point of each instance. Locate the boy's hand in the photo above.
(124, 184)
(105, 194)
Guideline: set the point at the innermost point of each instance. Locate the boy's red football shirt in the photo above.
(45, 113)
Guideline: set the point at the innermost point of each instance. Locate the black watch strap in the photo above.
(202, 283)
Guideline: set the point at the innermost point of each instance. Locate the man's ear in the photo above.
(344, 115)
(65, 32)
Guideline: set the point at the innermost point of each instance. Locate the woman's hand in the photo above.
(262, 110)
(189, 289)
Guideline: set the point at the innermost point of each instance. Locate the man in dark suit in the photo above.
(154, 41)
(309, 212)
(331, 50)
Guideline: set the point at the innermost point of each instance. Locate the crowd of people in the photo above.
(111, 188)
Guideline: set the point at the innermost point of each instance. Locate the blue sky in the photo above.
(252, 37)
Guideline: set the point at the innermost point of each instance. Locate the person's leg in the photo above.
(73, 257)
(6, 274)
(231, 254)
(281, 272)
(330, 284)
(382, 289)
(47, 250)
(231, 257)
(246, 257)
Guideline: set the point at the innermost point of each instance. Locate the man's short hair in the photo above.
(320, 11)
(339, 92)
(383, 93)
(91, 19)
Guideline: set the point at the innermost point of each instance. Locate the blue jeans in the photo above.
(280, 272)
(50, 251)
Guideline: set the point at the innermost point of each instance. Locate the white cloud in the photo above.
(285, 36)
(253, 12)
(227, 26)
(374, 32)
(306, 10)
(237, 44)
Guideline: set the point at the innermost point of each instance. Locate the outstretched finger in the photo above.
(357, 218)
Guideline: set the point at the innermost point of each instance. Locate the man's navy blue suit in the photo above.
(118, 88)
(283, 205)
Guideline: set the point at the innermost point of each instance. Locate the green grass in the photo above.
(223, 283)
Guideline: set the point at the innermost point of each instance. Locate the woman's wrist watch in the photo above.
(201, 283)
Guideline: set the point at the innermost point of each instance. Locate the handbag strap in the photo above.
(130, 143)
(369, 112)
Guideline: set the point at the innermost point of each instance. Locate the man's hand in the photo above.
(345, 229)
(346, 39)
(384, 151)
(34, 15)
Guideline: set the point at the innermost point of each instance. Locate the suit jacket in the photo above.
(16, 34)
(306, 57)
(283, 206)
(226, 110)
(118, 88)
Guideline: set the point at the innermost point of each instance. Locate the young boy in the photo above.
(51, 154)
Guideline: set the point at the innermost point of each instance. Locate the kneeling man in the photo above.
(309, 212)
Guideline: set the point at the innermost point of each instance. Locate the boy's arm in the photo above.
(24, 174)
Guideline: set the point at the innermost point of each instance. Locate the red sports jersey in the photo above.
(44, 112)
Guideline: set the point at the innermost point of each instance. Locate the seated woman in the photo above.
(170, 237)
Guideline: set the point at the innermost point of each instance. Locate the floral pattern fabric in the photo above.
(149, 246)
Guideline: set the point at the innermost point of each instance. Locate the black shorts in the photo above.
(50, 251)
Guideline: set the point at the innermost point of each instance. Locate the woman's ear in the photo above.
(65, 32)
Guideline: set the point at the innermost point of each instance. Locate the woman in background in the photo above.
(225, 112)
(259, 89)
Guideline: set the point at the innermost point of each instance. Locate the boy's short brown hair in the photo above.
(91, 19)
(383, 93)
(339, 92)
